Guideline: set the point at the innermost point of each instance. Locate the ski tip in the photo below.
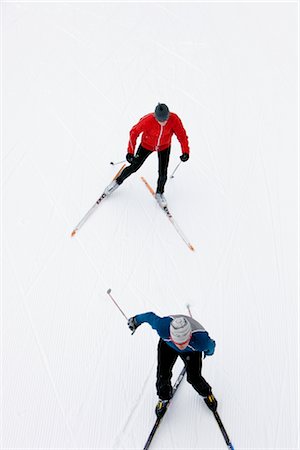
(73, 232)
(108, 291)
(111, 163)
(192, 247)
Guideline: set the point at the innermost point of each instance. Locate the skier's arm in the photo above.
(135, 131)
(181, 136)
(210, 347)
(203, 343)
(148, 317)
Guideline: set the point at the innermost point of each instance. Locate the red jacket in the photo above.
(156, 136)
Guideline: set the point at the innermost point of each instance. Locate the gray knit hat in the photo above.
(180, 330)
(161, 112)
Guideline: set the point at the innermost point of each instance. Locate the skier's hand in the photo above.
(132, 324)
(207, 353)
(184, 157)
(130, 157)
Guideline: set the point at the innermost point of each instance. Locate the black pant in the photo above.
(166, 359)
(140, 157)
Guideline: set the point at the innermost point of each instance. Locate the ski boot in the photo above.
(161, 199)
(211, 402)
(111, 187)
(161, 408)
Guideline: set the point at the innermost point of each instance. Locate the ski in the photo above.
(94, 207)
(223, 431)
(158, 420)
(170, 217)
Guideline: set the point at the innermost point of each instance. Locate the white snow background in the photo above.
(76, 78)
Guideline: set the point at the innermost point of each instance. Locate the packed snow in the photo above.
(76, 78)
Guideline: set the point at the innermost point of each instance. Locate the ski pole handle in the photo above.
(172, 176)
(111, 297)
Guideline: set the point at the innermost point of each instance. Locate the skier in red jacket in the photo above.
(157, 130)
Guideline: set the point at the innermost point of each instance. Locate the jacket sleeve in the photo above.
(210, 347)
(181, 136)
(134, 133)
(150, 318)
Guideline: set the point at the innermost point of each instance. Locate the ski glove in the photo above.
(132, 324)
(184, 157)
(130, 157)
(207, 353)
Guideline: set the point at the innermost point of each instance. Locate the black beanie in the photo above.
(162, 112)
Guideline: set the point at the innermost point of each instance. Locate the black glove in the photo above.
(130, 157)
(132, 324)
(184, 157)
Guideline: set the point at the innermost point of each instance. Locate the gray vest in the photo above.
(196, 326)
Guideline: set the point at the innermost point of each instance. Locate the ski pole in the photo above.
(111, 297)
(189, 309)
(188, 306)
(118, 162)
(172, 176)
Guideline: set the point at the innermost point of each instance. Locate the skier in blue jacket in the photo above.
(182, 336)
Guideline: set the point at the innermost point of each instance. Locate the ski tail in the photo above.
(119, 172)
(150, 189)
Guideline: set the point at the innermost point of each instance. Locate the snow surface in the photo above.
(76, 77)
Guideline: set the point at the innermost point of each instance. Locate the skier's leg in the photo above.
(163, 162)
(166, 358)
(193, 363)
(140, 157)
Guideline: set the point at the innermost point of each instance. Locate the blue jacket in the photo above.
(200, 341)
